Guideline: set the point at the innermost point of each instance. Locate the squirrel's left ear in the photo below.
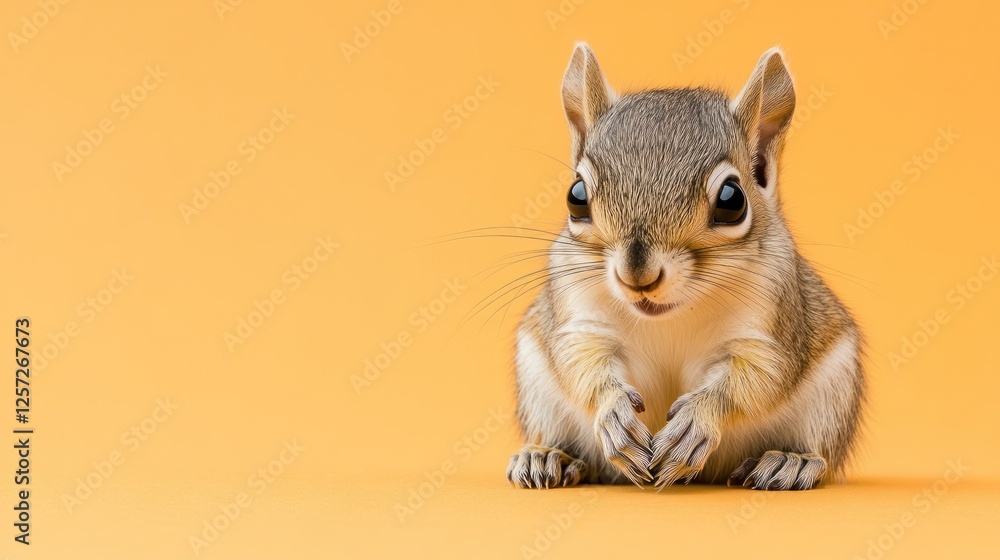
(763, 110)
(586, 96)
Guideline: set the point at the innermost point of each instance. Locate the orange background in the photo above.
(871, 99)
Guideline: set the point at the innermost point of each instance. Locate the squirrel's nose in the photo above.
(640, 281)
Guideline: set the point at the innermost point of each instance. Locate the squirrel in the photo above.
(680, 335)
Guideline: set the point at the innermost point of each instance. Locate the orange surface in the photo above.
(197, 219)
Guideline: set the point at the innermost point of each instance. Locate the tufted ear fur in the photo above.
(763, 110)
(586, 95)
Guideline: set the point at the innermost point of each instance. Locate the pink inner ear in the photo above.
(760, 171)
(765, 134)
(580, 136)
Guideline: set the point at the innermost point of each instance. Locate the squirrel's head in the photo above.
(676, 187)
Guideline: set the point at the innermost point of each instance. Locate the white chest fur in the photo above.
(669, 356)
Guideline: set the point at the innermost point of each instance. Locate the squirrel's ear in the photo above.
(763, 110)
(586, 95)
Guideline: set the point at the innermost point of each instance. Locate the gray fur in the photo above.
(759, 364)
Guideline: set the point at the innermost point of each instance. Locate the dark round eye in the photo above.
(731, 205)
(579, 208)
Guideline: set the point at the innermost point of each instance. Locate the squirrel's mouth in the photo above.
(652, 308)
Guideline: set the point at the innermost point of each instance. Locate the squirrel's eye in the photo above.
(579, 208)
(731, 205)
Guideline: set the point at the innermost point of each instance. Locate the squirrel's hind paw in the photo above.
(544, 467)
(779, 470)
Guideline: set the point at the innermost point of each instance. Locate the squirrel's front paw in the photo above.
(625, 440)
(681, 448)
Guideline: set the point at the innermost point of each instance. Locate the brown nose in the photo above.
(642, 282)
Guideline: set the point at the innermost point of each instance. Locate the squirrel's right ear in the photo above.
(763, 110)
(586, 95)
